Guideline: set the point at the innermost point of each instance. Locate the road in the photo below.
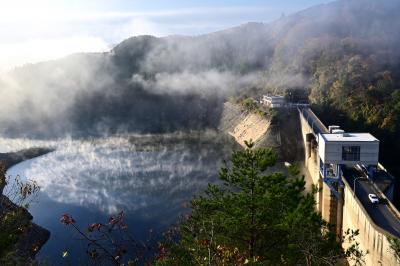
(380, 213)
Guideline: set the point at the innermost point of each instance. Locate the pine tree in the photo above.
(253, 217)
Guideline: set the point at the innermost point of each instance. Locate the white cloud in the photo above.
(32, 31)
(36, 50)
(138, 26)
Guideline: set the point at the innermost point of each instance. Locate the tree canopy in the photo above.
(254, 217)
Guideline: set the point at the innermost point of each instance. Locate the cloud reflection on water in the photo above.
(114, 173)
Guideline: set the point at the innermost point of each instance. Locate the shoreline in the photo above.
(33, 236)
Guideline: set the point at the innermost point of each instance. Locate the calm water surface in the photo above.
(150, 177)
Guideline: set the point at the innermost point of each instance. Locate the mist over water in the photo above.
(125, 111)
(156, 85)
(150, 177)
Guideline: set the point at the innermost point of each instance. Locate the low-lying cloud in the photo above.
(148, 84)
(208, 83)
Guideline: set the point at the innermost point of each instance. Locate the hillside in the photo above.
(344, 55)
(243, 125)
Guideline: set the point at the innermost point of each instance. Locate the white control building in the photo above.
(341, 148)
(348, 148)
(273, 101)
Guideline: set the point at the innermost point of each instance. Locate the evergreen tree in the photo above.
(254, 217)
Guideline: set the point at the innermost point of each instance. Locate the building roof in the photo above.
(350, 137)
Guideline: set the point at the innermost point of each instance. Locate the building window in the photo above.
(351, 153)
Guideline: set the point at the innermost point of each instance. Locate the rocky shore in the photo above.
(10, 159)
(31, 237)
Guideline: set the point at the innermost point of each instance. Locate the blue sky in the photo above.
(32, 31)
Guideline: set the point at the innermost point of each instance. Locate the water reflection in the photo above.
(149, 177)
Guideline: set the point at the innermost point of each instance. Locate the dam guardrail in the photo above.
(313, 121)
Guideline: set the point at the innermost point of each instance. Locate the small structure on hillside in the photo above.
(273, 101)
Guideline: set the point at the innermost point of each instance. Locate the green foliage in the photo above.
(395, 246)
(14, 218)
(249, 104)
(254, 218)
(294, 170)
(252, 106)
(296, 95)
(363, 94)
(11, 227)
(274, 115)
(353, 252)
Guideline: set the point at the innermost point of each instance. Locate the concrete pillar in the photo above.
(339, 217)
(326, 203)
(332, 208)
(309, 138)
(320, 195)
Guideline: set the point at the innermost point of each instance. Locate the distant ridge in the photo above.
(149, 84)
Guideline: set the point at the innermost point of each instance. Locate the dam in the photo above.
(344, 202)
(344, 168)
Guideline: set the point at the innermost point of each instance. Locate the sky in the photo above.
(40, 30)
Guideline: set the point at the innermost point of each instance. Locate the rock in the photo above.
(31, 241)
(32, 237)
(12, 158)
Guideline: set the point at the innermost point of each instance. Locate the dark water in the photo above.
(149, 177)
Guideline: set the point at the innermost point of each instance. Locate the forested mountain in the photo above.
(344, 54)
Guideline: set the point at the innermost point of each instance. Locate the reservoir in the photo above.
(149, 177)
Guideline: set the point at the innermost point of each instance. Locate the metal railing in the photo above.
(313, 121)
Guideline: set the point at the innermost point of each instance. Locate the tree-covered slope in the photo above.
(147, 84)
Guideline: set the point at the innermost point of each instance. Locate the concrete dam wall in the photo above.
(347, 211)
(371, 237)
(295, 140)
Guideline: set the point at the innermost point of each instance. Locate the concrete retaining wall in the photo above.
(325, 200)
(243, 125)
(371, 237)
